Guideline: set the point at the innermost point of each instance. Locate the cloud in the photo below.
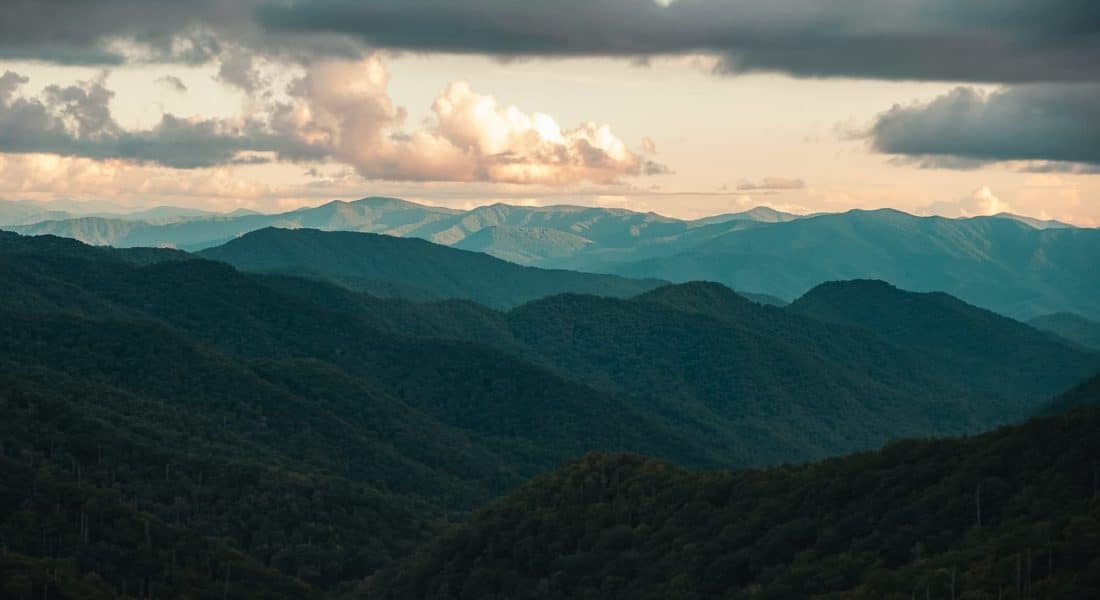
(981, 202)
(771, 183)
(76, 121)
(1056, 124)
(960, 40)
(342, 107)
(238, 69)
(337, 110)
(173, 83)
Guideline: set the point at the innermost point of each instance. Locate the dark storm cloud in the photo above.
(1056, 124)
(965, 40)
(83, 31)
(76, 121)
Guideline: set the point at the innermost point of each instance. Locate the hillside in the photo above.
(339, 430)
(254, 432)
(998, 264)
(788, 387)
(1086, 394)
(1069, 326)
(349, 258)
(1009, 514)
(982, 348)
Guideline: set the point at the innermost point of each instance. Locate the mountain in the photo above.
(783, 385)
(1086, 394)
(1074, 328)
(524, 245)
(555, 236)
(974, 345)
(761, 214)
(372, 214)
(360, 260)
(1014, 265)
(13, 212)
(205, 427)
(176, 426)
(1033, 222)
(1012, 514)
(995, 263)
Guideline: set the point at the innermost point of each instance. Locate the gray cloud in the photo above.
(1009, 41)
(173, 83)
(1057, 125)
(964, 40)
(339, 110)
(82, 31)
(76, 121)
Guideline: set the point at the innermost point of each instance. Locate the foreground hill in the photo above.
(996, 263)
(171, 424)
(1009, 514)
(370, 263)
(1074, 328)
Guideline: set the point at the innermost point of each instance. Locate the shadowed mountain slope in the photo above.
(1011, 514)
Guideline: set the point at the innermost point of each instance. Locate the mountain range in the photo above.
(1069, 326)
(224, 432)
(1017, 266)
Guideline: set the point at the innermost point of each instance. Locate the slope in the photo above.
(982, 348)
(1086, 394)
(350, 258)
(1011, 514)
(1069, 326)
(129, 383)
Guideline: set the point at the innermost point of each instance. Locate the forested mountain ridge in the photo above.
(339, 430)
(360, 261)
(996, 263)
(1014, 265)
(1086, 394)
(266, 441)
(1010, 514)
(978, 346)
(777, 377)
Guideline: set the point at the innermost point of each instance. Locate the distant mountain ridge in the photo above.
(1074, 328)
(362, 260)
(1018, 266)
(999, 264)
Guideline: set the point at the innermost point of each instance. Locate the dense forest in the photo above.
(1010, 514)
(176, 427)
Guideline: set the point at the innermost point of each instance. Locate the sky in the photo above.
(687, 108)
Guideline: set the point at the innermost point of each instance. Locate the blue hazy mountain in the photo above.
(1019, 266)
(996, 263)
(1074, 328)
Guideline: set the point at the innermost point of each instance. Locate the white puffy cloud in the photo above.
(336, 110)
(342, 108)
(981, 202)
